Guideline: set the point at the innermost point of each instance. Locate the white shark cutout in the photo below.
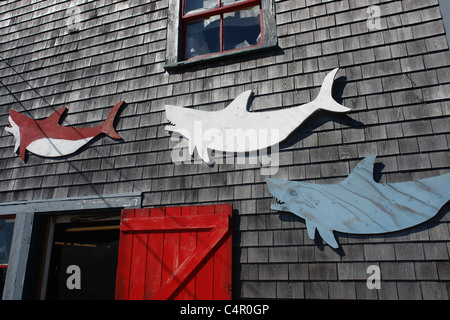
(234, 129)
(359, 205)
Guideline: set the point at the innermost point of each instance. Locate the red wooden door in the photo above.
(175, 253)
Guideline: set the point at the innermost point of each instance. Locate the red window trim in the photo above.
(10, 216)
(219, 10)
(214, 12)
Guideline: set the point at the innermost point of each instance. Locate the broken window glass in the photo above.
(241, 28)
(228, 2)
(194, 6)
(202, 37)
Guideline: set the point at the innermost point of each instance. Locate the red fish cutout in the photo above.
(48, 138)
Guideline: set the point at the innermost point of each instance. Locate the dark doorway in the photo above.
(6, 233)
(83, 261)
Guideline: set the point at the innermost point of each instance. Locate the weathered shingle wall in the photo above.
(396, 80)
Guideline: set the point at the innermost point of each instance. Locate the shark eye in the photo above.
(292, 193)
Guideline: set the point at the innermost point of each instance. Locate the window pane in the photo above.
(6, 232)
(202, 37)
(194, 6)
(228, 2)
(242, 28)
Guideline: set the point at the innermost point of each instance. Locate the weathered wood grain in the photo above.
(359, 205)
(175, 253)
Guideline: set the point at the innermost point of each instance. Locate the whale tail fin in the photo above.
(325, 99)
(108, 124)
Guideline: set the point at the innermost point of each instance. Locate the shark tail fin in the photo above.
(108, 124)
(325, 99)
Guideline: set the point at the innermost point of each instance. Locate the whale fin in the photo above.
(325, 99)
(240, 103)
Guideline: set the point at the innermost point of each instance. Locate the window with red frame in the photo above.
(216, 26)
(6, 232)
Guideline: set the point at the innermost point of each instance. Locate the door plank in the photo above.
(174, 223)
(182, 274)
(188, 245)
(124, 257)
(139, 260)
(205, 276)
(154, 257)
(171, 250)
(175, 253)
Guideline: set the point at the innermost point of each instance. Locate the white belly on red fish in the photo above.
(50, 147)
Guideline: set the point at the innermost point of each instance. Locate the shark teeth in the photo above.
(9, 125)
(279, 202)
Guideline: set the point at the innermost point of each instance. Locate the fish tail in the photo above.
(325, 98)
(108, 124)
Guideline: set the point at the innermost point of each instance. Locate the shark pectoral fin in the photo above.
(205, 155)
(311, 228)
(22, 152)
(191, 147)
(328, 236)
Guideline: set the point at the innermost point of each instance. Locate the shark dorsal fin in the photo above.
(363, 171)
(240, 103)
(56, 116)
